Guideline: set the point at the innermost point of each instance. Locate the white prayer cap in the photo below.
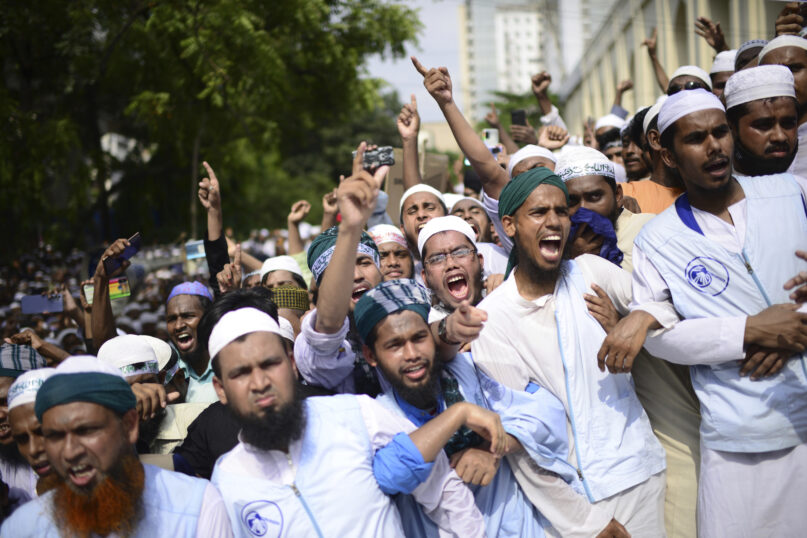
(286, 330)
(783, 41)
(464, 199)
(86, 364)
(530, 150)
(724, 61)
(685, 103)
(583, 161)
(652, 113)
(450, 223)
(387, 233)
(758, 83)
(236, 324)
(280, 263)
(450, 199)
(24, 388)
(753, 43)
(130, 354)
(693, 71)
(161, 349)
(609, 120)
(619, 172)
(421, 187)
(251, 274)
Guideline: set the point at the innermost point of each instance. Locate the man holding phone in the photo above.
(113, 263)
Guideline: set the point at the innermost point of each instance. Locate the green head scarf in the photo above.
(516, 193)
(321, 251)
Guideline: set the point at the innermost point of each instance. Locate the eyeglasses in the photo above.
(691, 85)
(457, 254)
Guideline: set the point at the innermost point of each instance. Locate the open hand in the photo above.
(711, 32)
(602, 308)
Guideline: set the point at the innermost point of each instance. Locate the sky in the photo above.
(438, 46)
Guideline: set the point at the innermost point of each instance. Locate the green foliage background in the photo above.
(271, 93)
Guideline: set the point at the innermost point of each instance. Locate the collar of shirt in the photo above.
(206, 377)
(419, 417)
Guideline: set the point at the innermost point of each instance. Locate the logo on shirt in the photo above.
(707, 275)
(263, 518)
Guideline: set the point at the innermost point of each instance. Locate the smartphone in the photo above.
(378, 157)
(491, 137)
(113, 264)
(518, 117)
(194, 249)
(118, 288)
(36, 304)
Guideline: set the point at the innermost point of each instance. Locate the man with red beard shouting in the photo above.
(90, 425)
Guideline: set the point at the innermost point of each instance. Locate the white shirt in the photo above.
(444, 497)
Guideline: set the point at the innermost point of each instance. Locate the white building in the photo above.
(500, 49)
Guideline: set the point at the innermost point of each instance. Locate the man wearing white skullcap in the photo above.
(393, 251)
(282, 271)
(473, 212)
(763, 114)
(452, 266)
(334, 453)
(721, 70)
(688, 77)
(25, 428)
(720, 256)
(608, 122)
(791, 51)
(419, 204)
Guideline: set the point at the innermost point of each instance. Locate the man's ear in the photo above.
(131, 423)
(668, 158)
(219, 390)
(369, 356)
(290, 354)
(509, 225)
(618, 194)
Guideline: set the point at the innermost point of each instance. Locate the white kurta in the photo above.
(739, 494)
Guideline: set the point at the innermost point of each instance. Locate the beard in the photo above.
(754, 165)
(10, 453)
(278, 428)
(149, 429)
(114, 505)
(423, 396)
(537, 274)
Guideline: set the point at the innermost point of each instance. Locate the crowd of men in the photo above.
(602, 336)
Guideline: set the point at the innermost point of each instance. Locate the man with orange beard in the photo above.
(90, 425)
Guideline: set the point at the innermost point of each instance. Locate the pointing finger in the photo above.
(418, 66)
(414, 101)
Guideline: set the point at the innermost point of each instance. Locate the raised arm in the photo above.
(438, 83)
(492, 118)
(661, 76)
(299, 210)
(408, 127)
(210, 197)
(356, 198)
(621, 88)
(329, 210)
(102, 321)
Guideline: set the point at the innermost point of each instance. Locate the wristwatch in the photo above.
(441, 332)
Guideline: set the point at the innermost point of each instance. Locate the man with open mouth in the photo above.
(419, 204)
(396, 259)
(723, 256)
(397, 341)
(452, 267)
(539, 332)
(90, 426)
(472, 211)
(185, 306)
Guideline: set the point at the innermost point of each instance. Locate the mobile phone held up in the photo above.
(518, 117)
(37, 304)
(375, 158)
(113, 264)
(118, 289)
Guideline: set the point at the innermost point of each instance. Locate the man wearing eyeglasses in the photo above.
(688, 77)
(452, 266)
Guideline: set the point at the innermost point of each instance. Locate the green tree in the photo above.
(266, 91)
